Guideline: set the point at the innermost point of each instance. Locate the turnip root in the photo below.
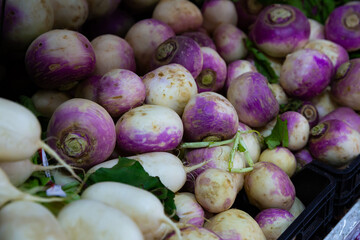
(46, 101)
(297, 208)
(30, 221)
(88, 88)
(236, 68)
(281, 157)
(201, 38)
(235, 224)
(268, 186)
(141, 6)
(188, 209)
(324, 103)
(247, 11)
(149, 217)
(101, 8)
(317, 30)
(309, 111)
(302, 157)
(194, 233)
(345, 114)
(70, 14)
(93, 220)
(279, 93)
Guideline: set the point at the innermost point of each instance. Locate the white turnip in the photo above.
(194, 233)
(46, 101)
(70, 14)
(188, 209)
(281, 157)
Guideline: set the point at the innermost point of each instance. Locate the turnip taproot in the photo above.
(188, 209)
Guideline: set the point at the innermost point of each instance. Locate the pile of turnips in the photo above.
(212, 99)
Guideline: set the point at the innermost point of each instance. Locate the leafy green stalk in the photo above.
(205, 144)
(279, 135)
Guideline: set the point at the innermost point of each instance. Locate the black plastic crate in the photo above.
(316, 190)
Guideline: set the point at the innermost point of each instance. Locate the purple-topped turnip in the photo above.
(188, 209)
(343, 26)
(82, 132)
(306, 73)
(334, 142)
(88, 88)
(317, 30)
(171, 85)
(309, 111)
(280, 29)
(201, 38)
(112, 52)
(253, 100)
(279, 93)
(140, 6)
(247, 12)
(179, 49)
(345, 88)
(324, 103)
(281, 157)
(345, 114)
(194, 233)
(102, 8)
(213, 74)
(302, 157)
(236, 68)
(46, 101)
(209, 116)
(70, 14)
(251, 140)
(60, 58)
(120, 90)
(148, 128)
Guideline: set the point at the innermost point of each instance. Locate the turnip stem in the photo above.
(241, 170)
(194, 167)
(206, 144)
(173, 225)
(41, 199)
(234, 149)
(246, 153)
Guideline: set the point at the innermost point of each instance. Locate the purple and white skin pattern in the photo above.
(171, 85)
(302, 157)
(209, 116)
(334, 142)
(188, 209)
(273, 222)
(309, 111)
(281, 157)
(213, 74)
(201, 38)
(81, 132)
(235, 224)
(298, 129)
(345, 87)
(306, 73)
(335, 52)
(112, 52)
(230, 42)
(247, 12)
(179, 49)
(144, 37)
(317, 30)
(149, 128)
(194, 233)
(345, 114)
(60, 58)
(280, 29)
(268, 186)
(236, 68)
(88, 88)
(253, 100)
(119, 91)
(343, 27)
(324, 103)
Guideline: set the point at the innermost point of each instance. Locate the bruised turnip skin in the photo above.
(230, 42)
(81, 132)
(213, 74)
(149, 128)
(193, 233)
(253, 100)
(235, 224)
(298, 129)
(236, 68)
(102, 8)
(112, 52)
(179, 49)
(268, 186)
(59, 59)
(302, 157)
(281, 157)
(334, 142)
(188, 209)
(280, 29)
(144, 37)
(201, 38)
(171, 85)
(46, 101)
(279, 93)
(317, 30)
(345, 114)
(70, 14)
(209, 116)
(343, 26)
(309, 111)
(273, 222)
(306, 73)
(324, 103)
(119, 91)
(345, 88)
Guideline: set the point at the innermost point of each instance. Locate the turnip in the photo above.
(149, 217)
(281, 157)
(280, 29)
(179, 49)
(345, 114)
(70, 14)
(171, 85)
(268, 186)
(309, 111)
(317, 30)
(46, 101)
(188, 209)
(235, 224)
(141, 6)
(342, 26)
(149, 128)
(236, 68)
(88, 88)
(180, 15)
(345, 88)
(209, 116)
(334, 142)
(253, 100)
(298, 129)
(230, 42)
(112, 52)
(216, 12)
(120, 90)
(247, 12)
(193, 233)
(82, 132)
(324, 103)
(297, 208)
(59, 58)
(30, 221)
(279, 93)
(144, 37)
(101, 8)
(93, 220)
(306, 73)
(302, 157)
(273, 222)
(213, 74)
(201, 38)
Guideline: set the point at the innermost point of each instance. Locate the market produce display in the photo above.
(147, 119)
